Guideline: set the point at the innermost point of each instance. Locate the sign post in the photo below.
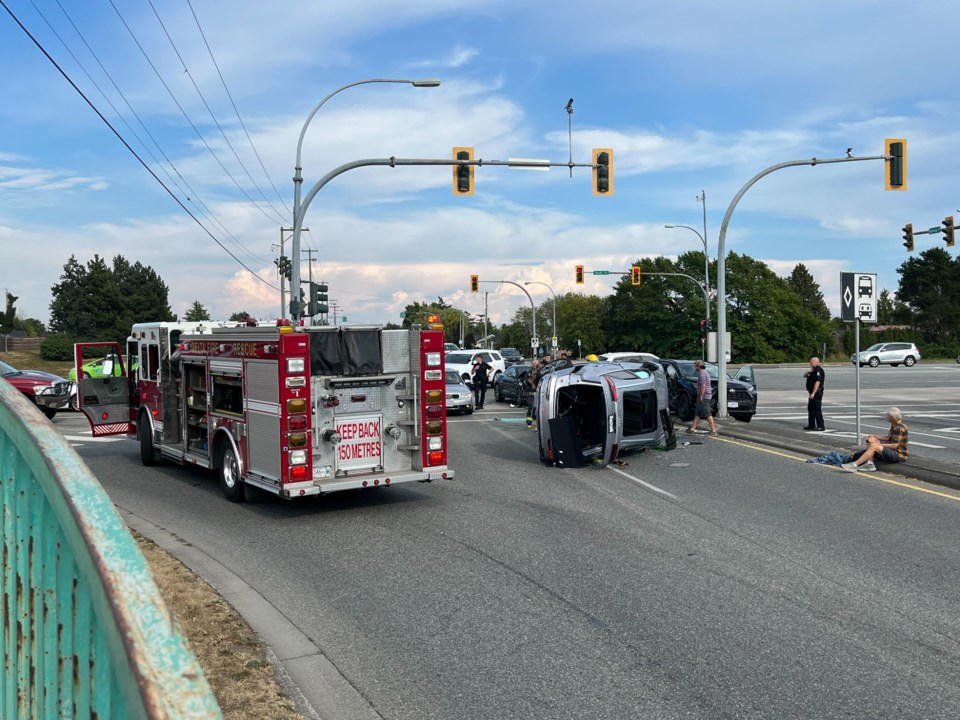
(858, 303)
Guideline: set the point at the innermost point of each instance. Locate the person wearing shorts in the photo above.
(894, 448)
(704, 399)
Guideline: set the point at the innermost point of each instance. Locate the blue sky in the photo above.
(692, 96)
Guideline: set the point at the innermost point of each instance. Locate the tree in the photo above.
(196, 313)
(930, 290)
(99, 303)
(239, 316)
(811, 299)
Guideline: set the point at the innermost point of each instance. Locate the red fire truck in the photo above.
(292, 411)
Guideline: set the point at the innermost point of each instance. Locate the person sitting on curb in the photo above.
(894, 448)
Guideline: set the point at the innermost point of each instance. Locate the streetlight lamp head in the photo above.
(429, 82)
(669, 226)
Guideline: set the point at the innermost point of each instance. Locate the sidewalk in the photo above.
(816, 444)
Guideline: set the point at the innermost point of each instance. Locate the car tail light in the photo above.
(298, 473)
(613, 388)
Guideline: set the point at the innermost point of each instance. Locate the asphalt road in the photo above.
(720, 580)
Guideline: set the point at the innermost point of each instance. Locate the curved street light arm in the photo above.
(553, 345)
(722, 268)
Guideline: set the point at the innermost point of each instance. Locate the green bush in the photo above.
(57, 347)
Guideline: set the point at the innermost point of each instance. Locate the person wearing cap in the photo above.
(704, 398)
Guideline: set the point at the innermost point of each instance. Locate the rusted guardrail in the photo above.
(85, 631)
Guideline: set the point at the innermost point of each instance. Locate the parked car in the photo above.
(511, 356)
(598, 411)
(462, 362)
(450, 347)
(627, 356)
(682, 381)
(459, 396)
(47, 391)
(99, 367)
(508, 385)
(891, 353)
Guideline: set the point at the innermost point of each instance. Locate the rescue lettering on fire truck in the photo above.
(295, 412)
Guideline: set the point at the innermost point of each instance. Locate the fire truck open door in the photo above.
(104, 400)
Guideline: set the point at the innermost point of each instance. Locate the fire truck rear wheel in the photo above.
(148, 455)
(230, 481)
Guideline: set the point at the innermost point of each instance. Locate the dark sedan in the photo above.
(507, 386)
(682, 389)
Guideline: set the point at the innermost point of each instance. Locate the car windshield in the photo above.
(452, 377)
(459, 358)
(7, 369)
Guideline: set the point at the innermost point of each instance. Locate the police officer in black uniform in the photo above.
(815, 378)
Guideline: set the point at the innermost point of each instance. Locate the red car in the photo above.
(47, 391)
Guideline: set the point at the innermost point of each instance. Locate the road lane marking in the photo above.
(641, 482)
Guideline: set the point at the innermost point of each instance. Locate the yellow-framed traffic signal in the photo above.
(463, 174)
(895, 165)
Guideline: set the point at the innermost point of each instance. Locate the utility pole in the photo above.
(283, 283)
(486, 314)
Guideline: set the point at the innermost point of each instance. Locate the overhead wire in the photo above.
(186, 116)
(237, 111)
(213, 117)
(190, 197)
(127, 145)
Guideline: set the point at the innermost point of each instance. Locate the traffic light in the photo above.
(474, 283)
(579, 275)
(603, 171)
(908, 237)
(463, 174)
(318, 299)
(947, 230)
(635, 276)
(284, 266)
(895, 163)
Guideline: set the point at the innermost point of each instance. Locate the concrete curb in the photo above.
(314, 684)
(814, 445)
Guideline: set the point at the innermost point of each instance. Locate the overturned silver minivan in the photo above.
(597, 411)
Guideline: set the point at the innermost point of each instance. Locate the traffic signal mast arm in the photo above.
(391, 162)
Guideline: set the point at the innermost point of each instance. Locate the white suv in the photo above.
(891, 353)
(462, 362)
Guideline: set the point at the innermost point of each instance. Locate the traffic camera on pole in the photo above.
(947, 230)
(635, 275)
(474, 283)
(463, 174)
(603, 171)
(908, 237)
(578, 275)
(895, 163)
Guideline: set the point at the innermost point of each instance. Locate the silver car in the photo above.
(595, 412)
(459, 396)
(890, 353)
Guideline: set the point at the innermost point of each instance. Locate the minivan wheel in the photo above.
(910, 361)
(874, 361)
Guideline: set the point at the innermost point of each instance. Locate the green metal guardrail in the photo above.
(85, 631)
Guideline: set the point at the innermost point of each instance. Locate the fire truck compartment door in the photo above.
(106, 403)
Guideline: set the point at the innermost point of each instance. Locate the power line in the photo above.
(209, 109)
(126, 144)
(201, 207)
(186, 116)
(249, 139)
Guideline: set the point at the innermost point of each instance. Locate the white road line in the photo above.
(641, 482)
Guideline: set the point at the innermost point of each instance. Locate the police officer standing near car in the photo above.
(815, 378)
(480, 375)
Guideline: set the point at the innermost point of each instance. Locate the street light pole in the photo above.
(298, 182)
(706, 260)
(553, 344)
